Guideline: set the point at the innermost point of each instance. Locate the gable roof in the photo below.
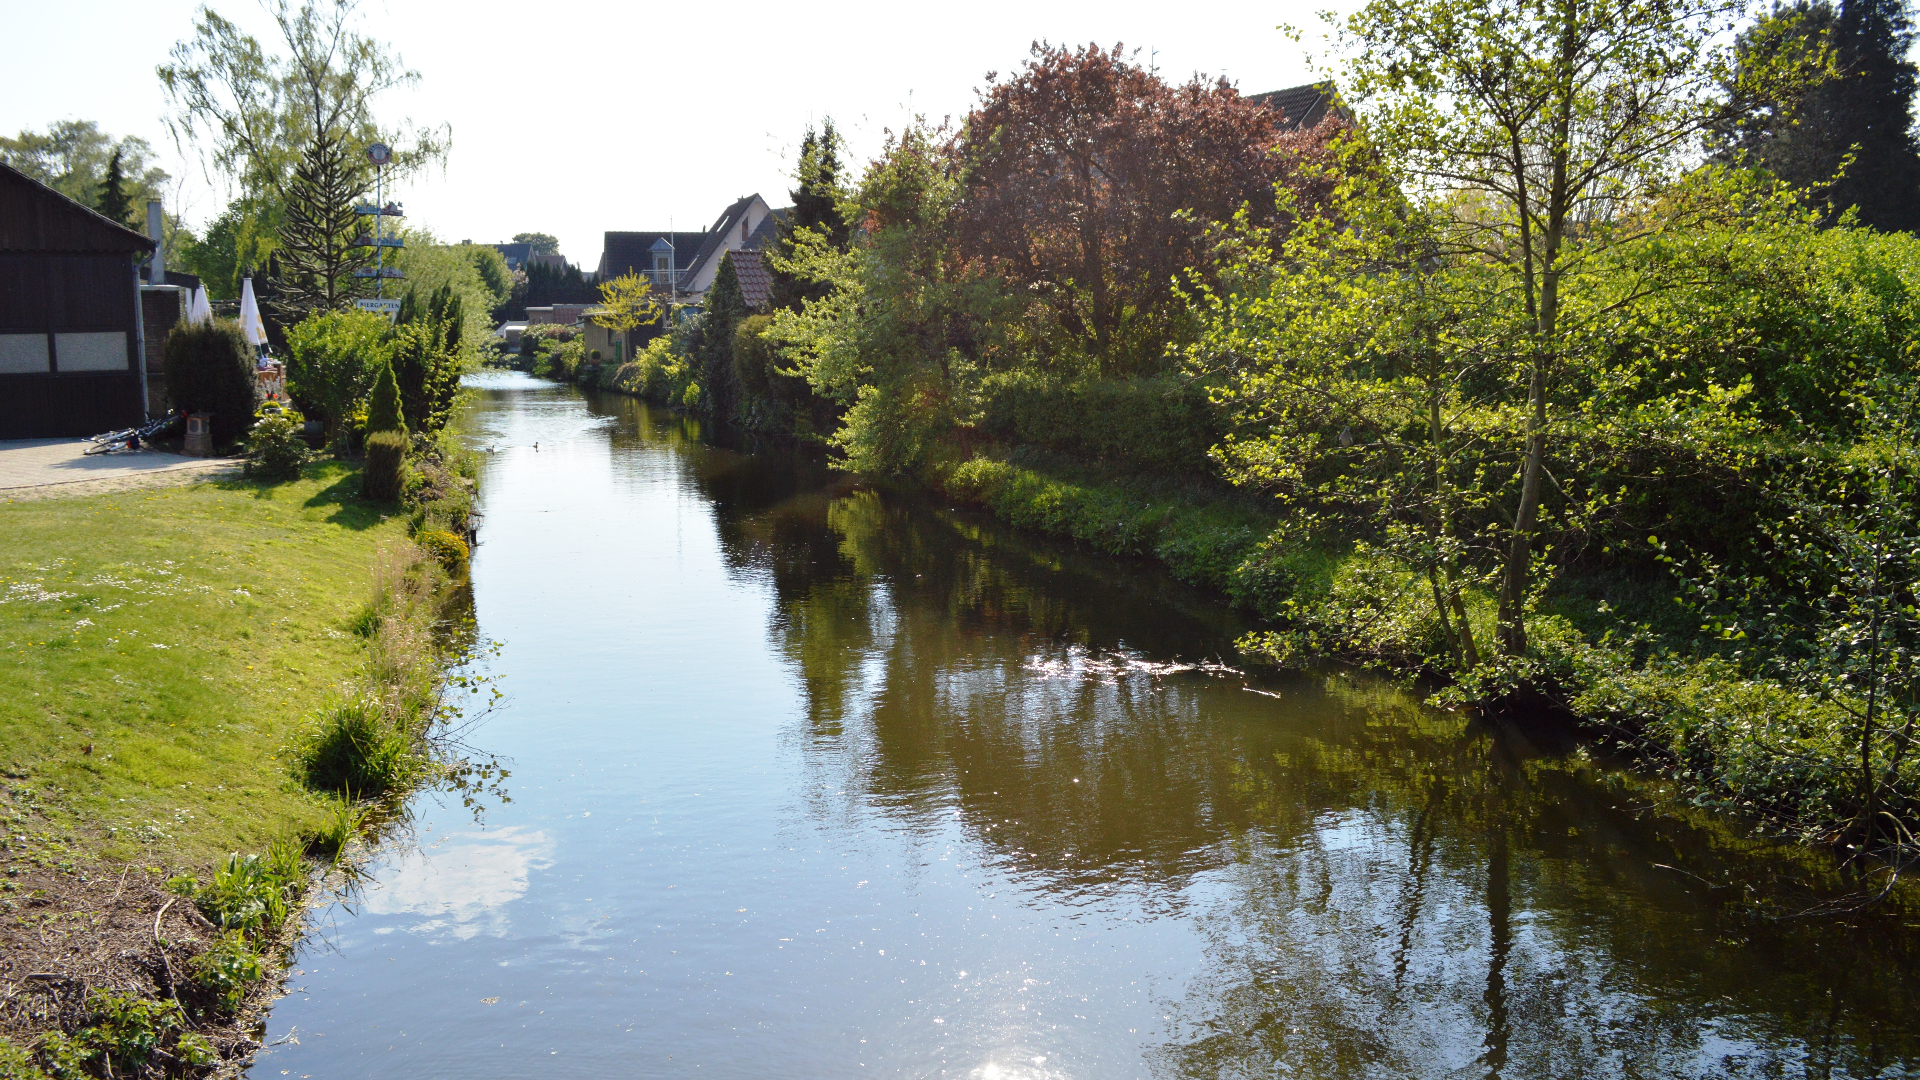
(515, 254)
(34, 217)
(765, 233)
(756, 281)
(717, 234)
(630, 252)
(1300, 107)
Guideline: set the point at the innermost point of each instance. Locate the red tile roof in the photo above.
(756, 281)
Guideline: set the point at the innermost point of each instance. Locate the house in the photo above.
(70, 323)
(558, 314)
(515, 254)
(748, 223)
(1301, 108)
(554, 261)
(660, 257)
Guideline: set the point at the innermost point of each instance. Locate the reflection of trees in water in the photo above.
(1473, 911)
(1391, 891)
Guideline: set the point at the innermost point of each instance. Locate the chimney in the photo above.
(157, 269)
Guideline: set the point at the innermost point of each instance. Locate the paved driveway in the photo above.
(32, 468)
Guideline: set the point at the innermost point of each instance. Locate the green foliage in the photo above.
(383, 406)
(1166, 424)
(356, 751)
(427, 361)
(122, 1031)
(321, 249)
(210, 368)
(17, 1064)
(384, 478)
(439, 276)
(275, 450)
(334, 358)
(251, 893)
(344, 821)
(225, 971)
(560, 358)
(819, 191)
(72, 158)
(114, 201)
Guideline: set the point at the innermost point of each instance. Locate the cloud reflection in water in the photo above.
(463, 884)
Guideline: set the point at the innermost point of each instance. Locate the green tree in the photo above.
(543, 243)
(114, 201)
(427, 361)
(1539, 134)
(724, 307)
(321, 247)
(818, 192)
(1850, 138)
(252, 112)
(72, 157)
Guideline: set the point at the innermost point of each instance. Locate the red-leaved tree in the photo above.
(1089, 183)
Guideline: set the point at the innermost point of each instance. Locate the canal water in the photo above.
(810, 780)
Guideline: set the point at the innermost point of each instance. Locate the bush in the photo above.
(385, 477)
(444, 546)
(343, 823)
(357, 753)
(210, 368)
(333, 358)
(1164, 424)
(275, 450)
(121, 1034)
(224, 972)
(250, 893)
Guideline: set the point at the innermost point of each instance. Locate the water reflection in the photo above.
(460, 883)
(1382, 889)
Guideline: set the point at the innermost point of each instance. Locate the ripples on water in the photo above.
(815, 781)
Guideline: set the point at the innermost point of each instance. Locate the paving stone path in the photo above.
(45, 468)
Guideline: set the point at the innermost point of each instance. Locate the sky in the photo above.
(574, 118)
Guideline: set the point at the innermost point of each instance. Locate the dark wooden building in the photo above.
(70, 340)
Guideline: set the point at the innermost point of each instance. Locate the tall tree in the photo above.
(819, 191)
(1536, 137)
(114, 202)
(253, 112)
(72, 157)
(1863, 113)
(1089, 183)
(321, 246)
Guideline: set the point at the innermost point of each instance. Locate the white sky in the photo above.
(573, 118)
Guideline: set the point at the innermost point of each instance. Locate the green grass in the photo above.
(186, 635)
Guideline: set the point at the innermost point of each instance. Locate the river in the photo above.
(810, 780)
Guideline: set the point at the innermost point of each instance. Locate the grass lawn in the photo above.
(160, 649)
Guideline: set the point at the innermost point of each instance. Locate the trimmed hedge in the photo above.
(209, 368)
(385, 475)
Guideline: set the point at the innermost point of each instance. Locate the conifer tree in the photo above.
(320, 248)
(383, 405)
(1865, 109)
(816, 208)
(725, 307)
(114, 201)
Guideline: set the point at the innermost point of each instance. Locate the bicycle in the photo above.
(130, 438)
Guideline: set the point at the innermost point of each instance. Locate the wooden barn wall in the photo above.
(63, 294)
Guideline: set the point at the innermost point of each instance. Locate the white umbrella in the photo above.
(251, 327)
(198, 309)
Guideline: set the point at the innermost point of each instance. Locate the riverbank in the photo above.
(202, 686)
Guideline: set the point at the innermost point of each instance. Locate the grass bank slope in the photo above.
(161, 649)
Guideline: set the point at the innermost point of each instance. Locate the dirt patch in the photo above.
(69, 929)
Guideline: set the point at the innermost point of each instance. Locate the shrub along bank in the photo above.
(204, 692)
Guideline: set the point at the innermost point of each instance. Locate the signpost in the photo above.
(380, 154)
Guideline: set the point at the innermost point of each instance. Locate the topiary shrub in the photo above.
(383, 405)
(385, 475)
(275, 448)
(209, 368)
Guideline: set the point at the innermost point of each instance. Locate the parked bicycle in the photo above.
(131, 438)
